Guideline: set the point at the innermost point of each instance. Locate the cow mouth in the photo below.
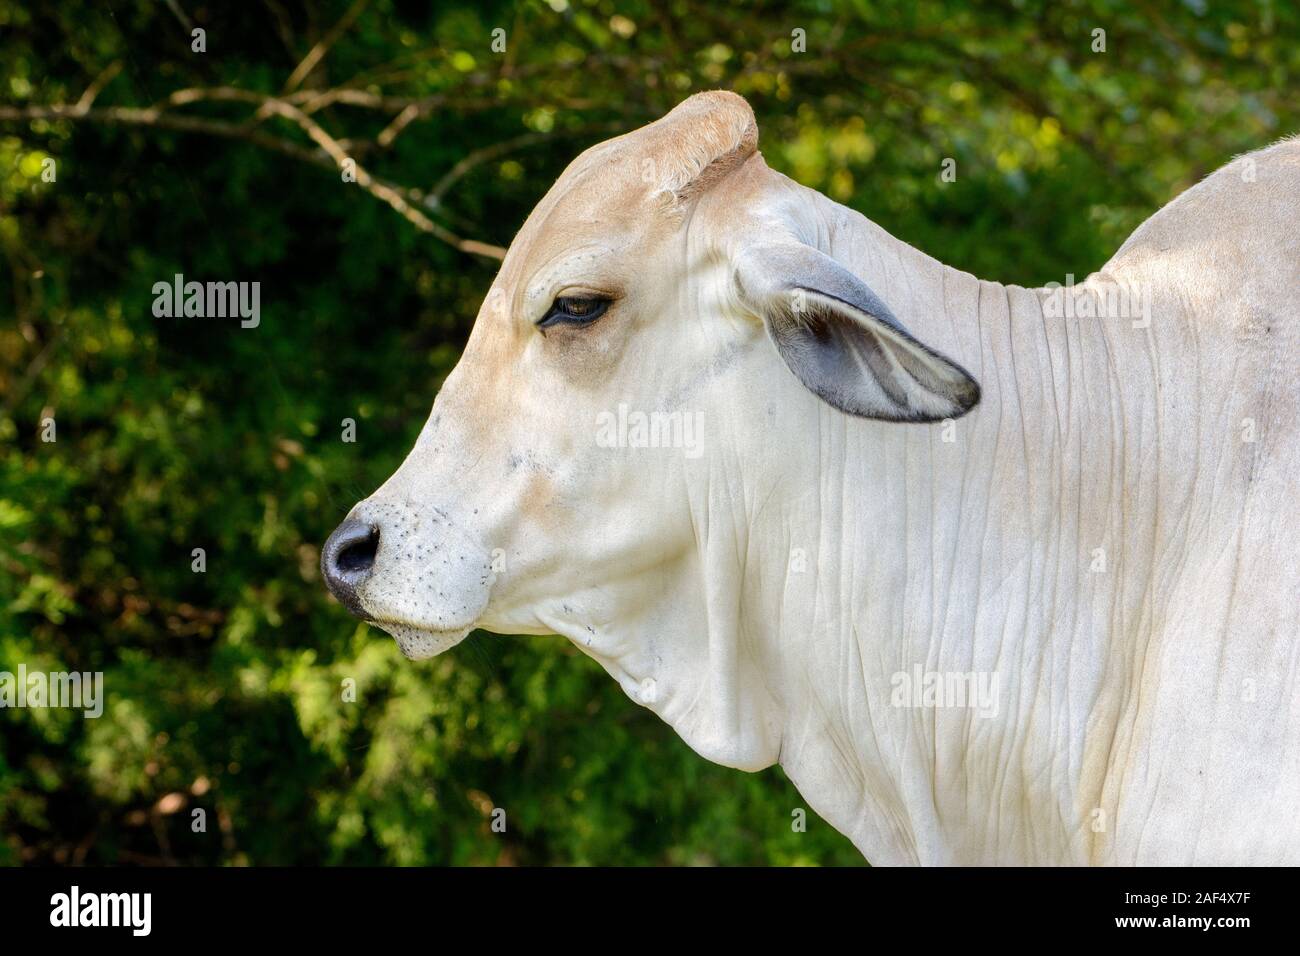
(419, 643)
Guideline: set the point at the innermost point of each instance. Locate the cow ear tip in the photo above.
(962, 399)
(964, 393)
(970, 395)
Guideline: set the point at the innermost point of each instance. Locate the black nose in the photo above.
(346, 560)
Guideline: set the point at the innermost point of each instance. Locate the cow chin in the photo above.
(420, 643)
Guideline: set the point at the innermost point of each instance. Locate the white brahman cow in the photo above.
(997, 575)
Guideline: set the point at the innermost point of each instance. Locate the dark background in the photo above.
(173, 434)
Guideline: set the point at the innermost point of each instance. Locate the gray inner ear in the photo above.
(843, 343)
(831, 358)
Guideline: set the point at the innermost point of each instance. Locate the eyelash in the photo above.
(560, 312)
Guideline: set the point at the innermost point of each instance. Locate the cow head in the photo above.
(662, 325)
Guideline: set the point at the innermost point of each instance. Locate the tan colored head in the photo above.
(629, 370)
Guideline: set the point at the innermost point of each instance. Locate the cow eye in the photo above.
(573, 310)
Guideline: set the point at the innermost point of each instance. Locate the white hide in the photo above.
(1104, 548)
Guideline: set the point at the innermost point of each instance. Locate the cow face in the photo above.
(618, 379)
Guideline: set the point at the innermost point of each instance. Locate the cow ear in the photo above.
(844, 344)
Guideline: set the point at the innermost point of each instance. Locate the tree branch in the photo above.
(331, 153)
(93, 90)
(317, 53)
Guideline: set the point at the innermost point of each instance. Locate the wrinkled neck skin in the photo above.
(833, 554)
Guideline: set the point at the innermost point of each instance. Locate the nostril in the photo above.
(346, 561)
(358, 556)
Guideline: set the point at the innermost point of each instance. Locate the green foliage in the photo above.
(226, 687)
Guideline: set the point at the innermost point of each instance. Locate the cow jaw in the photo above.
(670, 639)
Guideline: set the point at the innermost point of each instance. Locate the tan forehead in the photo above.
(636, 181)
(602, 188)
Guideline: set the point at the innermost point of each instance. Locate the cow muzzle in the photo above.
(411, 571)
